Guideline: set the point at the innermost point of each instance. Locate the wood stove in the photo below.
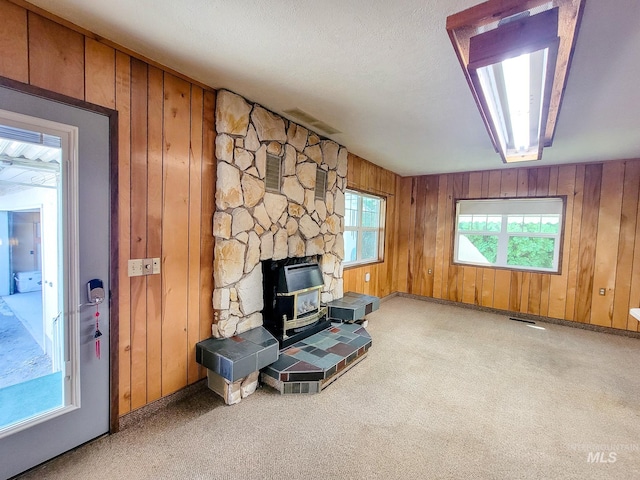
(292, 307)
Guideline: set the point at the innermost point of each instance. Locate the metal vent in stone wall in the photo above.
(272, 180)
(321, 184)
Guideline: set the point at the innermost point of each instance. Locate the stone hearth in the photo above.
(314, 363)
(252, 223)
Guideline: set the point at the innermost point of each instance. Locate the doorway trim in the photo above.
(114, 412)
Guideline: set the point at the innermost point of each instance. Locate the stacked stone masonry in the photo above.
(252, 224)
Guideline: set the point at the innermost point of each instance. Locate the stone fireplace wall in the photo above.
(252, 224)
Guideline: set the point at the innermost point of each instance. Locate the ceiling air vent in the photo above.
(321, 184)
(311, 121)
(300, 115)
(272, 180)
(324, 128)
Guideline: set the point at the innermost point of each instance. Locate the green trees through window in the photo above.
(516, 233)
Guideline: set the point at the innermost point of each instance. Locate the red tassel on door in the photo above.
(98, 333)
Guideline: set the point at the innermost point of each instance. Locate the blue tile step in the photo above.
(312, 364)
(352, 307)
(236, 357)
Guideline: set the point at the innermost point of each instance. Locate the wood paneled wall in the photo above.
(601, 242)
(166, 191)
(367, 177)
(166, 204)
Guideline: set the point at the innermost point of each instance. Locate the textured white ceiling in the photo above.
(383, 73)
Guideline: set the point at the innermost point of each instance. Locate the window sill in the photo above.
(510, 269)
(361, 264)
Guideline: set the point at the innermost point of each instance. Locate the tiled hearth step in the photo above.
(312, 364)
(352, 307)
(238, 356)
(306, 366)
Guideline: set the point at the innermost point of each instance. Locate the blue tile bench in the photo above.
(352, 307)
(312, 364)
(307, 366)
(228, 360)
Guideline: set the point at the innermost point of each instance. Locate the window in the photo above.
(516, 233)
(364, 228)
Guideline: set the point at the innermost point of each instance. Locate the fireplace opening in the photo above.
(292, 293)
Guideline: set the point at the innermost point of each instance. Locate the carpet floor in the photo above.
(445, 392)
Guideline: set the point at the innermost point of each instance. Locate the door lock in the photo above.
(95, 291)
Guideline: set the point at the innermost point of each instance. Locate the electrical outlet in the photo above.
(367, 277)
(430, 271)
(603, 291)
(135, 268)
(156, 265)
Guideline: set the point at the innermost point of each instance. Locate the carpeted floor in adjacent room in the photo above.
(445, 392)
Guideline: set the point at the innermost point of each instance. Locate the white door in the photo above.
(75, 244)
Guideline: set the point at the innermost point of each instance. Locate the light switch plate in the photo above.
(135, 267)
(147, 266)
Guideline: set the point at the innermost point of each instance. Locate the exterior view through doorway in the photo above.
(54, 238)
(31, 348)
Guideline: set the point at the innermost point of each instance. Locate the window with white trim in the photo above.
(516, 233)
(363, 228)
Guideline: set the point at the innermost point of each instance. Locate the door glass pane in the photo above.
(31, 329)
